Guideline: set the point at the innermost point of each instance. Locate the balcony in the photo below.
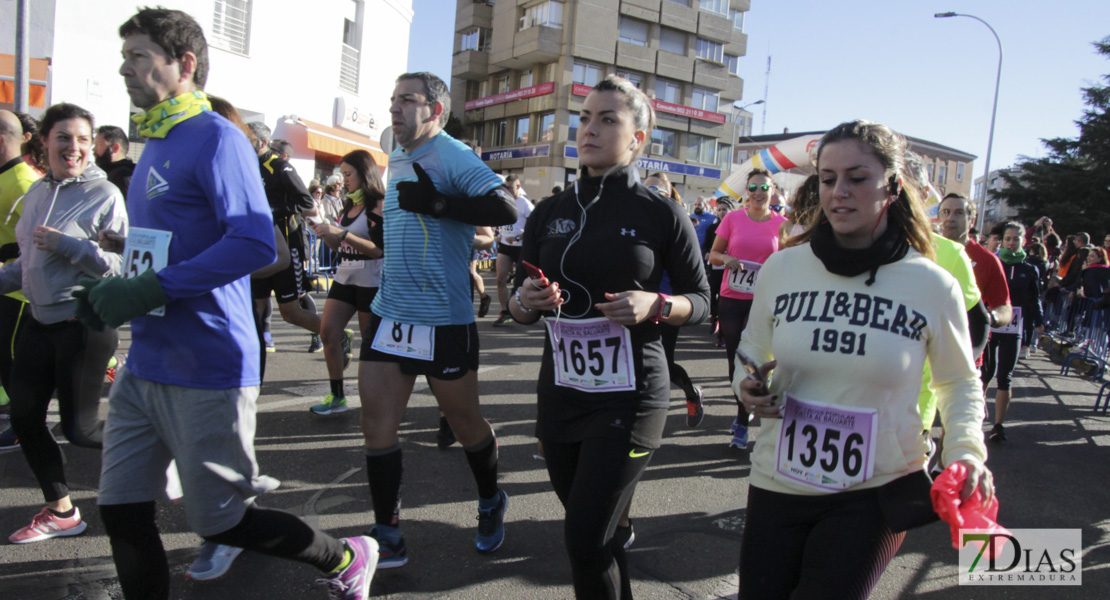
(348, 69)
(470, 64)
(714, 27)
(470, 14)
(537, 44)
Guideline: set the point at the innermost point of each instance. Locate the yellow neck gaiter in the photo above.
(356, 197)
(159, 120)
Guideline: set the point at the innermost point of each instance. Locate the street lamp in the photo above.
(994, 111)
(735, 135)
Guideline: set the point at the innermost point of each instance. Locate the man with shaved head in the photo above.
(15, 178)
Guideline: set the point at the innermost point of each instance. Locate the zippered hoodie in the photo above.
(80, 208)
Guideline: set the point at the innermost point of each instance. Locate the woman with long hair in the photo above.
(63, 215)
(845, 318)
(357, 238)
(603, 391)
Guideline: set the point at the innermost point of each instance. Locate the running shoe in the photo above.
(353, 582)
(314, 344)
(998, 433)
(721, 343)
(491, 525)
(695, 412)
(47, 525)
(8, 441)
(445, 438)
(270, 347)
(345, 342)
(214, 560)
(1025, 352)
(330, 405)
(483, 305)
(503, 320)
(390, 556)
(739, 435)
(625, 535)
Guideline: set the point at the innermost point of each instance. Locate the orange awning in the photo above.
(36, 93)
(338, 142)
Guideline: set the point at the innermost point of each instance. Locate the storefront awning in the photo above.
(338, 142)
(36, 93)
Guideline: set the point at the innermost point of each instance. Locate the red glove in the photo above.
(971, 514)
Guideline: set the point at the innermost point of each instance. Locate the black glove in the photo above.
(421, 196)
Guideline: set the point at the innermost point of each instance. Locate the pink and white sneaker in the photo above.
(47, 525)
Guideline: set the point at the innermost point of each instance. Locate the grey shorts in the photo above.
(210, 433)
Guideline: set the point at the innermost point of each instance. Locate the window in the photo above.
(667, 139)
(701, 149)
(547, 127)
(522, 126)
(737, 18)
(634, 31)
(717, 7)
(711, 51)
(733, 64)
(705, 99)
(476, 39)
(724, 151)
(637, 79)
(572, 132)
(929, 170)
(586, 74)
(525, 80)
(672, 40)
(682, 2)
(231, 26)
(503, 83)
(668, 91)
(349, 59)
(741, 156)
(547, 14)
(942, 174)
(959, 171)
(478, 133)
(500, 128)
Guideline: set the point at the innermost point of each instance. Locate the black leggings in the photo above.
(732, 314)
(679, 376)
(803, 547)
(999, 359)
(141, 559)
(14, 314)
(595, 479)
(71, 359)
(715, 276)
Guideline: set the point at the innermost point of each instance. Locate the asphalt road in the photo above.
(688, 512)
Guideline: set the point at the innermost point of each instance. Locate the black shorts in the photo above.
(456, 352)
(512, 252)
(287, 285)
(357, 296)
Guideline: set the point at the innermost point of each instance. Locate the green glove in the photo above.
(117, 300)
(85, 310)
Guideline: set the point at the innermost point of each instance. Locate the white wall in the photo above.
(292, 68)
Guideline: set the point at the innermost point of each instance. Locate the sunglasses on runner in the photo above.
(776, 207)
(758, 186)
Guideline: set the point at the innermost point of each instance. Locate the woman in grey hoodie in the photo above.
(57, 233)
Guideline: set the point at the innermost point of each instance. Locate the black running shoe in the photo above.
(483, 305)
(695, 412)
(998, 433)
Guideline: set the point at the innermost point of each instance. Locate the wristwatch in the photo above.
(664, 308)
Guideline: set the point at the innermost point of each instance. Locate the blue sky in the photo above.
(893, 62)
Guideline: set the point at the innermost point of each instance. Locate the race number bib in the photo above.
(825, 446)
(146, 249)
(592, 355)
(1014, 326)
(402, 339)
(744, 281)
(346, 263)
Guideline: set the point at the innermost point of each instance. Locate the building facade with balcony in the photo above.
(997, 210)
(319, 74)
(522, 68)
(948, 169)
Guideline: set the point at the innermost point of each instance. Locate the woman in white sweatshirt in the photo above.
(845, 320)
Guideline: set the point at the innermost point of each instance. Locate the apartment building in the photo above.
(320, 74)
(997, 209)
(522, 69)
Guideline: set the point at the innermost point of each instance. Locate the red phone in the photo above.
(533, 271)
